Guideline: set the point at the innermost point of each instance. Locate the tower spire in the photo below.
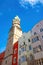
(16, 21)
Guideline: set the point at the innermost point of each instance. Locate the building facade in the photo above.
(26, 48)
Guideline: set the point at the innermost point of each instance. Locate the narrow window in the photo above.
(40, 47)
(30, 48)
(31, 57)
(14, 59)
(34, 33)
(28, 40)
(6, 61)
(19, 52)
(41, 30)
(42, 36)
(24, 43)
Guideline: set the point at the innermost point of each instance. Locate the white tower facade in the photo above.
(17, 29)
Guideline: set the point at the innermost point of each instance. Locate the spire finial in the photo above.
(17, 18)
(16, 21)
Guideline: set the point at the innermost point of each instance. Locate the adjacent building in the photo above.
(37, 42)
(25, 50)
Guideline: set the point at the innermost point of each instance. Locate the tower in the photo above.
(17, 29)
(14, 34)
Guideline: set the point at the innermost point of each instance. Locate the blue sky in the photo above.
(29, 11)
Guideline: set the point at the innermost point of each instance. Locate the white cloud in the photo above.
(24, 3)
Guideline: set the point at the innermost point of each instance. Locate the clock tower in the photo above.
(14, 34)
